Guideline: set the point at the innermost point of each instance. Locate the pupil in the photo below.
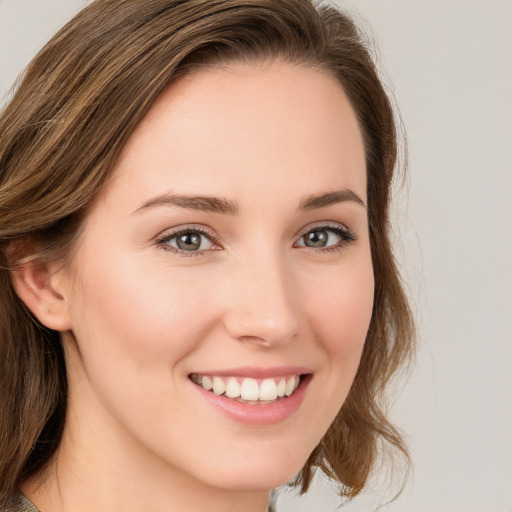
(316, 238)
(189, 241)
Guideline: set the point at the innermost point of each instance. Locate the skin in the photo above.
(138, 319)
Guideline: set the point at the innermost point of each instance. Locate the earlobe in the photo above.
(40, 286)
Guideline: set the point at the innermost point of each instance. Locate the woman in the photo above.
(199, 298)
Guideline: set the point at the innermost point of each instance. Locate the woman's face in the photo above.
(229, 249)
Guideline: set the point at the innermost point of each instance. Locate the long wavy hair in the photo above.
(60, 135)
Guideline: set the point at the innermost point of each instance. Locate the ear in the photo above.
(43, 288)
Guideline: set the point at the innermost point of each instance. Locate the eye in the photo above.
(326, 237)
(189, 240)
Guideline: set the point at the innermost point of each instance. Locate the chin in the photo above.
(266, 480)
(262, 472)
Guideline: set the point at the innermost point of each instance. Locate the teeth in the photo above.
(290, 386)
(218, 386)
(268, 390)
(249, 389)
(281, 386)
(207, 383)
(232, 388)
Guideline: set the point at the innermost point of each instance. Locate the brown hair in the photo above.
(60, 135)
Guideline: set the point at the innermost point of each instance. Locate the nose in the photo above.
(262, 305)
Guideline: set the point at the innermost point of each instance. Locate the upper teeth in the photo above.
(247, 388)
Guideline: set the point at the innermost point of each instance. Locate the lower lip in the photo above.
(257, 414)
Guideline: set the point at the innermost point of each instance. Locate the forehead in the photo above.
(220, 131)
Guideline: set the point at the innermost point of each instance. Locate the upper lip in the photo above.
(257, 372)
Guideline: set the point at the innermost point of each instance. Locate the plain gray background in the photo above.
(450, 66)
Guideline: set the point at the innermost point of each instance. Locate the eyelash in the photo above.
(163, 241)
(344, 234)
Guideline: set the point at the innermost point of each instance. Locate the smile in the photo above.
(248, 390)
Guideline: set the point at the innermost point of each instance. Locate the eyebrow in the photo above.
(329, 199)
(226, 206)
(199, 203)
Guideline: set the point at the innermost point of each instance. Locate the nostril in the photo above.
(261, 329)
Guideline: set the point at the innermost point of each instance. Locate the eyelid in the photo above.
(347, 236)
(335, 226)
(174, 232)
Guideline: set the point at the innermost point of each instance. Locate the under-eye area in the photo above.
(249, 390)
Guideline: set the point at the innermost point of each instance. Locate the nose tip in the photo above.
(261, 329)
(262, 310)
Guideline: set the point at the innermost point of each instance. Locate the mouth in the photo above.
(254, 396)
(248, 390)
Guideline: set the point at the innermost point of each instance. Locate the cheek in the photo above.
(340, 317)
(139, 314)
(343, 310)
(135, 325)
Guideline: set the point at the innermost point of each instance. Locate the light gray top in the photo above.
(23, 504)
